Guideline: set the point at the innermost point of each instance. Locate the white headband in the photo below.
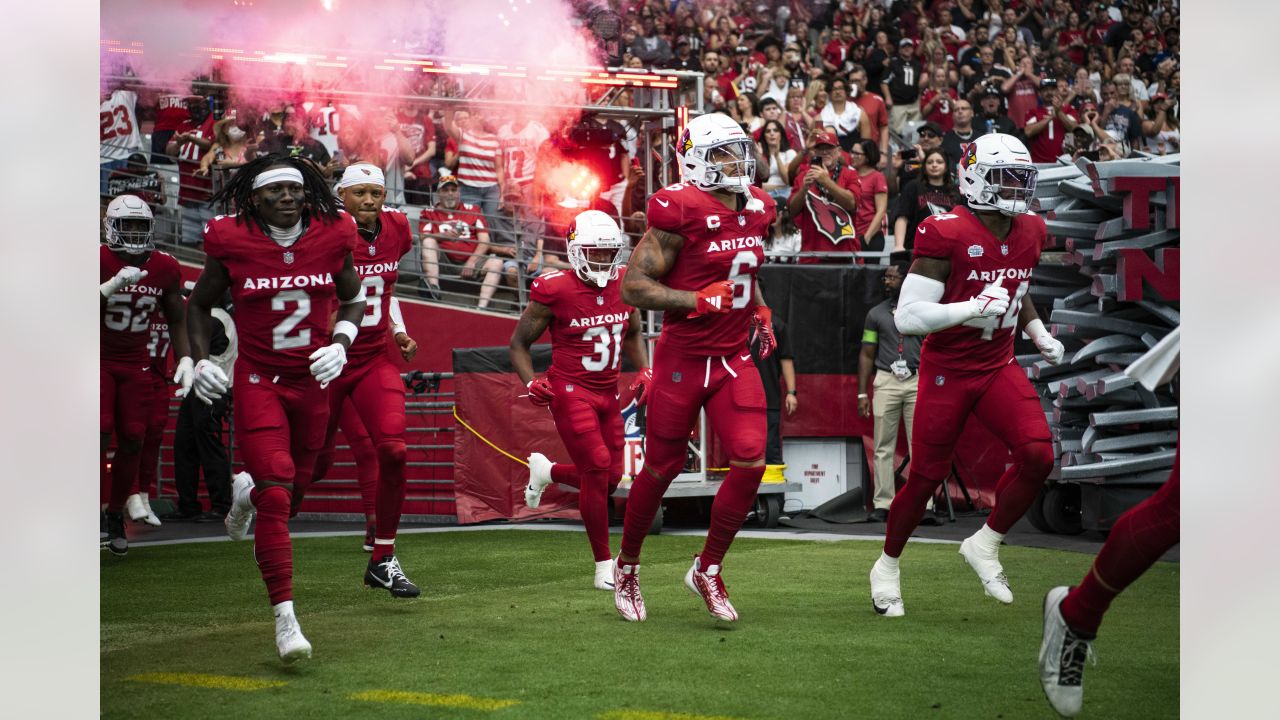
(362, 174)
(275, 175)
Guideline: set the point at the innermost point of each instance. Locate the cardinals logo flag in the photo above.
(829, 219)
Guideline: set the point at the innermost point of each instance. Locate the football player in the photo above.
(967, 292)
(286, 257)
(369, 381)
(591, 327)
(138, 504)
(136, 280)
(1139, 537)
(698, 262)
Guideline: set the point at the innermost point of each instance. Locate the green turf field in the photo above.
(509, 627)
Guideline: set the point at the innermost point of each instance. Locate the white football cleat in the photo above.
(886, 591)
(241, 513)
(710, 587)
(151, 518)
(290, 642)
(133, 506)
(1063, 654)
(626, 592)
(986, 563)
(539, 479)
(604, 575)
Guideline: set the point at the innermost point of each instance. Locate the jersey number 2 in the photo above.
(281, 339)
(601, 355)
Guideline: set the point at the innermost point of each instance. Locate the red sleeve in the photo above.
(213, 246)
(543, 290)
(665, 211)
(798, 180)
(346, 226)
(931, 241)
(406, 231)
(850, 181)
(425, 222)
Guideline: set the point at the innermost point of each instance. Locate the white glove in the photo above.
(328, 364)
(1046, 343)
(209, 382)
(128, 275)
(993, 301)
(183, 376)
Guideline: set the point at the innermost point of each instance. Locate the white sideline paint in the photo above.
(754, 534)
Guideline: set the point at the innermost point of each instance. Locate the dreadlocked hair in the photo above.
(319, 201)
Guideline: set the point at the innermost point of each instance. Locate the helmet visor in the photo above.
(1013, 183)
(131, 234)
(601, 259)
(732, 159)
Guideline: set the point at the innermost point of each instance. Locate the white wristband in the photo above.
(397, 320)
(358, 297)
(1035, 329)
(346, 327)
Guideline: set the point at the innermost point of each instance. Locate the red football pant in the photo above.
(376, 392)
(1005, 402)
(124, 405)
(280, 424)
(590, 426)
(151, 440)
(1137, 540)
(366, 457)
(730, 390)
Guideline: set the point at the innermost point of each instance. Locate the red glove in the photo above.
(641, 386)
(714, 298)
(762, 329)
(540, 392)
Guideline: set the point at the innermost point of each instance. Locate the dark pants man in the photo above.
(198, 444)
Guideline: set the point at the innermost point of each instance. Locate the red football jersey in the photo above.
(284, 297)
(465, 222)
(158, 345)
(378, 265)
(719, 244)
(586, 334)
(192, 187)
(978, 260)
(126, 325)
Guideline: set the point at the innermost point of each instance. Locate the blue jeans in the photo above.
(486, 198)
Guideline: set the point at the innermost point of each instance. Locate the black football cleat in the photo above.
(117, 543)
(388, 576)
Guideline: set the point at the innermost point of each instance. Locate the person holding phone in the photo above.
(932, 193)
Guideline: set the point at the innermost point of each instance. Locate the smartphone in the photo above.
(908, 154)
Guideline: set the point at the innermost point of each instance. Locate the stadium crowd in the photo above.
(860, 110)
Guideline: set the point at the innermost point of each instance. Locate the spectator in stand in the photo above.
(230, 150)
(1139, 94)
(684, 58)
(479, 176)
(873, 108)
(1021, 89)
(908, 163)
(877, 61)
(1119, 120)
(777, 81)
(746, 110)
(993, 119)
(776, 149)
(394, 152)
(892, 360)
(1160, 131)
(459, 230)
(1072, 39)
(294, 140)
(518, 219)
(136, 178)
(824, 201)
(987, 68)
(119, 132)
(932, 193)
(961, 133)
(873, 201)
(901, 86)
(835, 56)
(417, 127)
(1050, 122)
(770, 110)
(193, 138)
(652, 49)
(843, 116)
(171, 112)
(969, 59)
(1122, 32)
(937, 102)
(798, 120)
(1083, 90)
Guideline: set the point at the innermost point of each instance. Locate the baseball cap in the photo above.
(930, 126)
(826, 137)
(741, 50)
(906, 41)
(446, 177)
(992, 91)
(1048, 83)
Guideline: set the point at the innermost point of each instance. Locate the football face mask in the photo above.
(731, 164)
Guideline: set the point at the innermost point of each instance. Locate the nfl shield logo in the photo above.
(599, 299)
(675, 377)
(1004, 249)
(568, 388)
(939, 380)
(288, 258)
(742, 220)
(372, 250)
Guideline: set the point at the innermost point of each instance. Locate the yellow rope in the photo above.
(484, 439)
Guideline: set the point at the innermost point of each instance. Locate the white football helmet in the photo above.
(996, 173)
(714, 153)
(135, 238)
(595, 247)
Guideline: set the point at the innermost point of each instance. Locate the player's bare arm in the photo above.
(1027, 313)
(532, 324)
(633, 344)
(650, 261)
(210, 287)
(176, 315)
(351, 303)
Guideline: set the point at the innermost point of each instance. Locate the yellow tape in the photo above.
(466, 702)
(216, 682)
(484, 439)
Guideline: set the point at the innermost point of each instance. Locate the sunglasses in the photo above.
(928, 133)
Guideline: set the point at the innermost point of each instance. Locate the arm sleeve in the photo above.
(397, 319)
(920, 313)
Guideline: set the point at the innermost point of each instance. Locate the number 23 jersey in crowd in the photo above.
(719, 244)
(284, 297)
(978, 259)
(588, 329)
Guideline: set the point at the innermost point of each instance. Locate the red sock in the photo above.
(1137, 540)
(642, 505)
(566, 475)
(390, 500)
(271, 545)
(729, 510)
(906, 510)
(124, 471)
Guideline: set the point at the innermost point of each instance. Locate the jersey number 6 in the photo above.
(742, 279)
